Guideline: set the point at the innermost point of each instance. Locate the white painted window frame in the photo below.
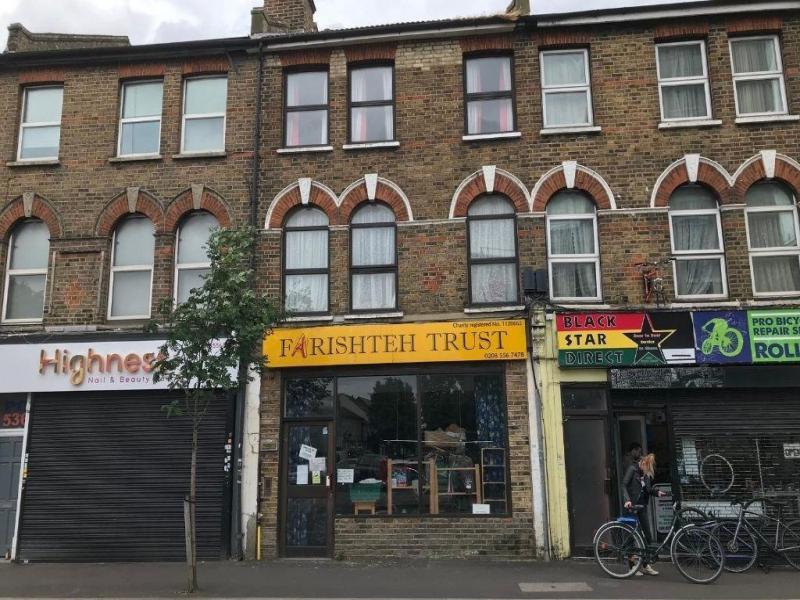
(127, 269)
(689, 255)
(16, 272)
(593, 258)
(123, 121)
(684, 81)
(767, 252)
(179, 266)
(37, 124)
(759, 75)
(584, 87)
(189, 117)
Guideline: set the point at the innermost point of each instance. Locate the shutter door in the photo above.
(107, 476)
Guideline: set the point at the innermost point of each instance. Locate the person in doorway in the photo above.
(632, 456)
(637, 489)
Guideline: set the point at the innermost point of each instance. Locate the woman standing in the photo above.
(637, 489)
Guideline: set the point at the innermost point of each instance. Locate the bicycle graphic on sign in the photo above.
(728, 340)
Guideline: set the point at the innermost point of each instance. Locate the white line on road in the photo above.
(568, 587)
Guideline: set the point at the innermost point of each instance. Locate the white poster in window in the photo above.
(791, 451)
(481, 509)
(663, 507)
(307, 452)
(317, 464)
(345, 475)
(302, 474)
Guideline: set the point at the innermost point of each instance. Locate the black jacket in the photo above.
(637, 487)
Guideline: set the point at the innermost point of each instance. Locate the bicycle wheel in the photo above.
(789, 543)
(731, 343)
(691, 516)
(741, 549)
(619, 550)
(697, 554)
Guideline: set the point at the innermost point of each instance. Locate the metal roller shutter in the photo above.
(107, 475)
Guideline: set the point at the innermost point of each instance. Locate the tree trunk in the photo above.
(191, 557)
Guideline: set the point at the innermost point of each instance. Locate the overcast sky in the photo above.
(148, 21)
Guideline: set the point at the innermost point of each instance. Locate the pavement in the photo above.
(474, 579)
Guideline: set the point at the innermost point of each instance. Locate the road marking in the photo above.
(557, 588)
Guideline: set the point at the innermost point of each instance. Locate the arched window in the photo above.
(492, 234)
(572, 247)
(696, 234)
(773, 236)
(131, 269)
(191, 259)
(305, 261)
(26, 272)
(373, 258)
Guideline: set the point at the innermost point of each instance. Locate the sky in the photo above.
(152, 21)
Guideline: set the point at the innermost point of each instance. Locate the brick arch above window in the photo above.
(692, 168)
(30, 205)
(767, 164)
(572, 176)
(302, 192)
(132, 200)
(491, 180)
(370, 188)
(197, 197)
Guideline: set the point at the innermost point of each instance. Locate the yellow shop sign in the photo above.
(451, 341)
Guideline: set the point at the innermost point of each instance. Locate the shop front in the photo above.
(91, 467)
(400, 440)
(715, 395)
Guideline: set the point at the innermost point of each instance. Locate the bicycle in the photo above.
(721, 335)
(620, 548)
(740, 538)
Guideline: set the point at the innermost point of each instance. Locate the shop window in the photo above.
(490, 95)
(191, 259)
(26, 272)
(305, 261)
(306, 109)
(758, 76)
(696, 234)
(492, 234)
(40, 126)
(132, 255)
(683, 81)
(372, 104)
(140, 118)
(309, 397)
(566, 88)
(205, 101)
(573, 247)
(773, 235)
(373, 255)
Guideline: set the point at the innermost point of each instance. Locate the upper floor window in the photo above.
(191, 259)
(566, 88)
(373, 278)
(40, 126)
(205, 102)
(773, 236)
(572, 247)
(696, 234)
(490, 95)
(131, 269)
(306, 109)
(140, 118)
(492, 234)
(26, 272)
(305, 261)
(372, 104)
(683, 81)
(758, 76)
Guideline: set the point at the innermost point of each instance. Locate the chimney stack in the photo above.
(22, 40)
(284, 16)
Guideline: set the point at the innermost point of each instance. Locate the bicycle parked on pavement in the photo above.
(620, 548)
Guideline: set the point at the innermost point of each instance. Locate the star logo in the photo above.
(648, 343)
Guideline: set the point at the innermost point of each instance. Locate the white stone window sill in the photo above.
(567, 130)
(493, 309)
(370, 145)
(303, 149)
(767, 119)
(309, 319)
(479, 137)
(689, 124)
(369, 316)
(190, 155)
(143, 157)
(48, 162)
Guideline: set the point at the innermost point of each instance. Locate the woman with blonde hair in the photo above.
(637, 489)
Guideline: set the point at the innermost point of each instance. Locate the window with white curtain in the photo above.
(773, 236)
(305, 261)
(697, 246)
(490, 95)
(40, 125)
(26, 272)
(140, 118)
(492, 234)
(205, 102)
(758, 76)
(683, 81)
(132, 255)
(372, 104)
(566, 88)
(191, 259)
(373, 257)
(572, 247)
(306, 109)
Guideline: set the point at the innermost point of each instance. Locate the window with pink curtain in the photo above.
(372, 104)
(306, 108)
(490, 103)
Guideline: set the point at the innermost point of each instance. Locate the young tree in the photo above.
(214, 342)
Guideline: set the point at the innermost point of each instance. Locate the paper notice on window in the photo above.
(307, 452)
(302, 474)
(345, 475)
(481, 509)
(315, 478)
(317, 464)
